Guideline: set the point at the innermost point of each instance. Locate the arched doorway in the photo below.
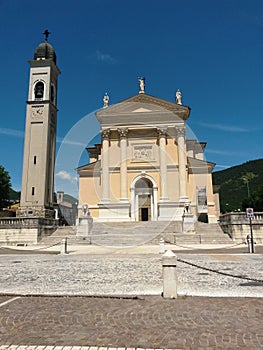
(144, 191)
(144, 199)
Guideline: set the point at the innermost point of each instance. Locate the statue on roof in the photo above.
(106, 100)
(178, 97)
(142, 85)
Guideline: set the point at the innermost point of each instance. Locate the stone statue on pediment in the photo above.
(142, 85)
(106, 99)
(178, 96)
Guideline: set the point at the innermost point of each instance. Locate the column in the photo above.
(180, 133)
(133, 204)
(163, 168)
(152, 207)
(136, 207)
(155, 209)
(105, 134)
(123, 164)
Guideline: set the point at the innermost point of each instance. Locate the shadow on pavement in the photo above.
(8, 251)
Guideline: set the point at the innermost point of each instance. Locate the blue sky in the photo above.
(212, 50)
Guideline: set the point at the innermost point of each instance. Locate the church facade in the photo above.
(145, 169)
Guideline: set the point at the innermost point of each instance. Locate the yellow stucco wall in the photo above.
(89, 190)
(171, 151)
(90, 187)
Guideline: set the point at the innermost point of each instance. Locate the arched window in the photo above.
(39, 90)
(143, 183)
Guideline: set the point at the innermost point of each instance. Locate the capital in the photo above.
(180, 131)
(123, 132)
(105, 134)
(162, 132)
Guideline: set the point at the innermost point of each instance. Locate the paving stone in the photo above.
(136, 321)
(156, 323)
(130, 275)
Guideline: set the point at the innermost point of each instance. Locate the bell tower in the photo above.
(40, 134)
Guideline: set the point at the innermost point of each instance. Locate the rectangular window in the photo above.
(35, 159)
(33, 191)
(201, 200)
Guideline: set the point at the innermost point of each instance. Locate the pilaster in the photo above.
(123, 165)
(105, 134)
(180, 135)
(163, 168)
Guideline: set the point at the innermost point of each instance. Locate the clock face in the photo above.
(38, 111)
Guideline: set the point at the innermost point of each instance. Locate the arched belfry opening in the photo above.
(39, 90)
(144, 199)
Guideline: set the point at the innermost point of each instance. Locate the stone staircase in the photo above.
(62, 232)
(115, 233)
(131, 233)
(212, 233)
(205, 234)
(120, 234)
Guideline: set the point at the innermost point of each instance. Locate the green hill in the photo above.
(70, 199)
(237, 183)
(14, 195)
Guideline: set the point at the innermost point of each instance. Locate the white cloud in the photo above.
(224, 127)
(105, 57)
(70, 142)
(64, 175)
(12, 132)
(222, 166)
(226, 152)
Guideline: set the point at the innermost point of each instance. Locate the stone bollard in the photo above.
(63, 247)
(169, 261)
(162, 248)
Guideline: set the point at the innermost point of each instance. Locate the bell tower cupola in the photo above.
(40, 134)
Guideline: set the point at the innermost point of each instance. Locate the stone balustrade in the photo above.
(25, 230)
(237, 225)
(26, 222)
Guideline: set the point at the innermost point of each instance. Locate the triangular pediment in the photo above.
(199, 166)
(141, 106)
(141, 110)
(90, 168)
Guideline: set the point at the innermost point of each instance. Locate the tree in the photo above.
(254, 201)
(246, 178)
(5, 186)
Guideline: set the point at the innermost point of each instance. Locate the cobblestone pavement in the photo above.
(148, 322)
(136, 320)
(99, 275)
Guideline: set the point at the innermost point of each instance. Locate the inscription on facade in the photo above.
(143, 152)
(201, 200)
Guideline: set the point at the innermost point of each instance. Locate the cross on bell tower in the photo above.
(46, 33)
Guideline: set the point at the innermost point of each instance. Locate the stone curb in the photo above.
(49, 347)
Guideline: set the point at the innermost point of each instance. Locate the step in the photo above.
(138, 233)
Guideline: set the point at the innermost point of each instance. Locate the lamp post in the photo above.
(250, 216)
(248, 191)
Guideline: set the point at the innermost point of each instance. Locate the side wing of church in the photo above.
(145, 169)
